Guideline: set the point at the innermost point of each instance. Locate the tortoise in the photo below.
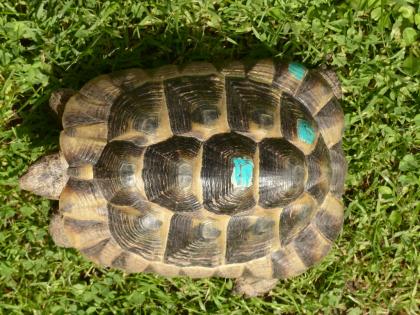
(234, 171)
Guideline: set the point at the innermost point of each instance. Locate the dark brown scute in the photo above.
(291, 110)
(331, 115)
(219, 194)
(137, 109)
(282, 172)
(249, 101)
(248, 238)
(330, 120)
(193, 244)
(193, 99)
(115, 168)
(167, 173)
(139, 233)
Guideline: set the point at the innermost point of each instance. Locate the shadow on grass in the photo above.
(154, 49)
(157, 49)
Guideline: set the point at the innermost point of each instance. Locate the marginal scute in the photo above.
(91, 131)
(85, 234)
(135, 263)
(329, 218)
(198, 68)
(235, 69)
(94, 251)
(81, 151)
(310, 245)
(230, 270)
(102, 88)
(295, 217)
(165, 72)
(129, 79)
(197, 272)
(120, 261)
(338, 169)
(260, 268)
(287, 263)
(330, 120)
(332, 78)
(263, 71)
(167, 270)
(314, 92)
(83, 110)
(80, 199)
(105, 252)
(319, 171)
(286, 79)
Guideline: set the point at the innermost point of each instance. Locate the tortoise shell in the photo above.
(204, 171)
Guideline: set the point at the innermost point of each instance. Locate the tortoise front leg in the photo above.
(250, 286)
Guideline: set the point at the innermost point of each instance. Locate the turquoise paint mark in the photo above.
(242, 172)
(297, 70)
(305, 131)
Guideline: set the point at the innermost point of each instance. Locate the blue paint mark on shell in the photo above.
(305, 131)
(242, 172)
(297, 70)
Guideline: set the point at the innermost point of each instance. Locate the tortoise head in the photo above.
(47, 177)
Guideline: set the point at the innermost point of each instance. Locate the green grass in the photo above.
(374, 47)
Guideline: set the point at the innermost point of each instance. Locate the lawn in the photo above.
(373, 46)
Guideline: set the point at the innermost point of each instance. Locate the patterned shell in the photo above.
(205, 172)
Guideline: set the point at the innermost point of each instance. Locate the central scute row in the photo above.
(227, 174)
